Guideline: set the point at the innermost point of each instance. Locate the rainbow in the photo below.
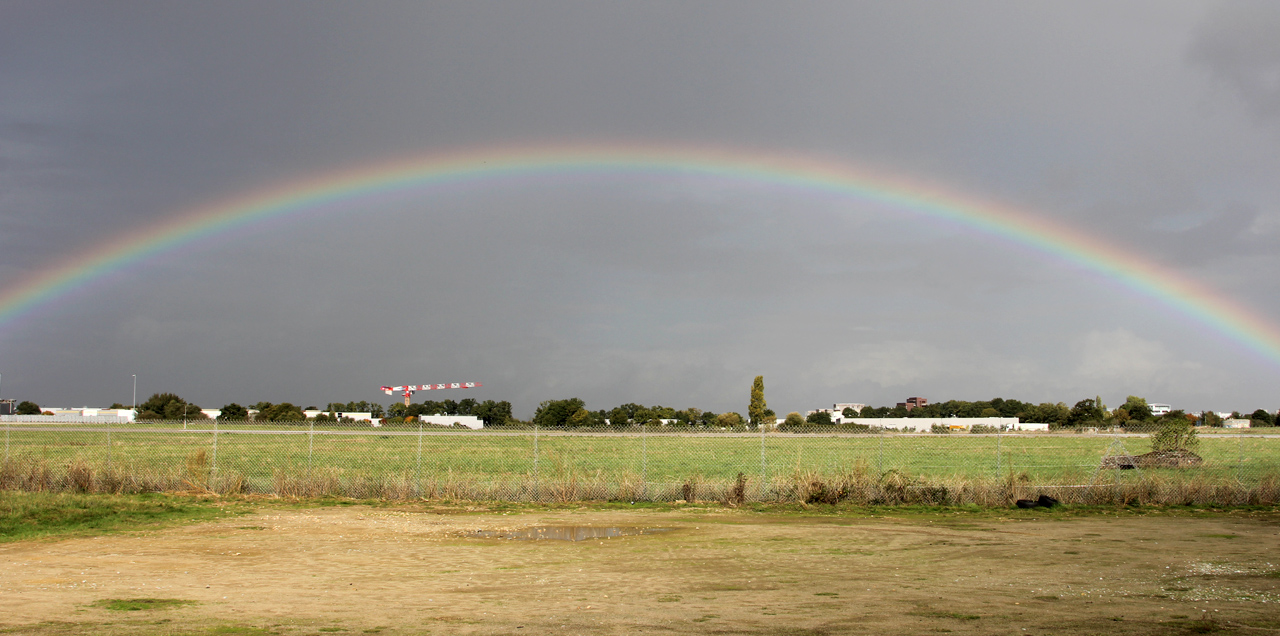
(409, 176)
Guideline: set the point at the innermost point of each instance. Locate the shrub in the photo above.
(1175, 434)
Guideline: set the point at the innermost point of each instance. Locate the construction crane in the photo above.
(410, 389)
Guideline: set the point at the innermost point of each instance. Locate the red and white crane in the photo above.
(411, 388)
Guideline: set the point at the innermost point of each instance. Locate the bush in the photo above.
(819, 418)
(1175, 434)
(794, 420)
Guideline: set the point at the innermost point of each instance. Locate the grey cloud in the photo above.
(1237, 44)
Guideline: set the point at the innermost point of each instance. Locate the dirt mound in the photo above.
(1154, 459)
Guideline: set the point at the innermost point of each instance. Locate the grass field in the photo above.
(521, 462)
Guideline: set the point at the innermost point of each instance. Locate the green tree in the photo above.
(493, 413)
(1137, 408)
(691, 416)
(1261, 417)
(729, 420)
(167, 406)
(466, 407)
(28, 408)
(794, 420)
(1209, 418)
(233, 411)
(1085, 411)
(1055, 415)
(756, 409)
(579, 419)
(848, 412)
(556, 413)
(1175, 434)
(818, 418)
(282, 412)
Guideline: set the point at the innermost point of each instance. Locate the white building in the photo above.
(926, 424)
(83, 415)
(359, 417)
(1159, 409)
(837, 410)
(469, 421)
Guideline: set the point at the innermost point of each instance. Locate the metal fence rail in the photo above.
(635, 463)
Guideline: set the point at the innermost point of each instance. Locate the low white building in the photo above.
(1159, 409)
(926, 424)
(82, 415)
(469, 421)
(359, 417)
(1240, 423)
(837, 410)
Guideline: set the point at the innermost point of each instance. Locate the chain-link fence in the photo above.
(635, 463)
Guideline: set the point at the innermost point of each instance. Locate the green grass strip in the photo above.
(34, 515)
(140, 604)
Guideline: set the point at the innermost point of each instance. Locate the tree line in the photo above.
(573, 413)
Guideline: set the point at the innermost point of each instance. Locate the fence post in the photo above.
(108, 444)
(535, 461)
(1240, 459)
(417, 473)
(999, 431)
(763, 473)
(880, 460)
(644, 454)
(311, 433)
(213, 466)
(7, 425)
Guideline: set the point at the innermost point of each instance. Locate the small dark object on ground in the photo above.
(1045, 501)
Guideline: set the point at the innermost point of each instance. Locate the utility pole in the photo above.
(134, 406)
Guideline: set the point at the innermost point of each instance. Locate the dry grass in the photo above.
(859, 486)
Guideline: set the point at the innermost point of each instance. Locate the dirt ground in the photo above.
(373, 570)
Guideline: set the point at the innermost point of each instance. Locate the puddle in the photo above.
(567, 533)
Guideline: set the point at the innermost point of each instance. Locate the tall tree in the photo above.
(757, 408)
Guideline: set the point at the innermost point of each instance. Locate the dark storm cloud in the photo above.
(1150, 125)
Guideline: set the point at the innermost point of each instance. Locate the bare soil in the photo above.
(378, 570)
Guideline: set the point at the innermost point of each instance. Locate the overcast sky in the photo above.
(1153, 125)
